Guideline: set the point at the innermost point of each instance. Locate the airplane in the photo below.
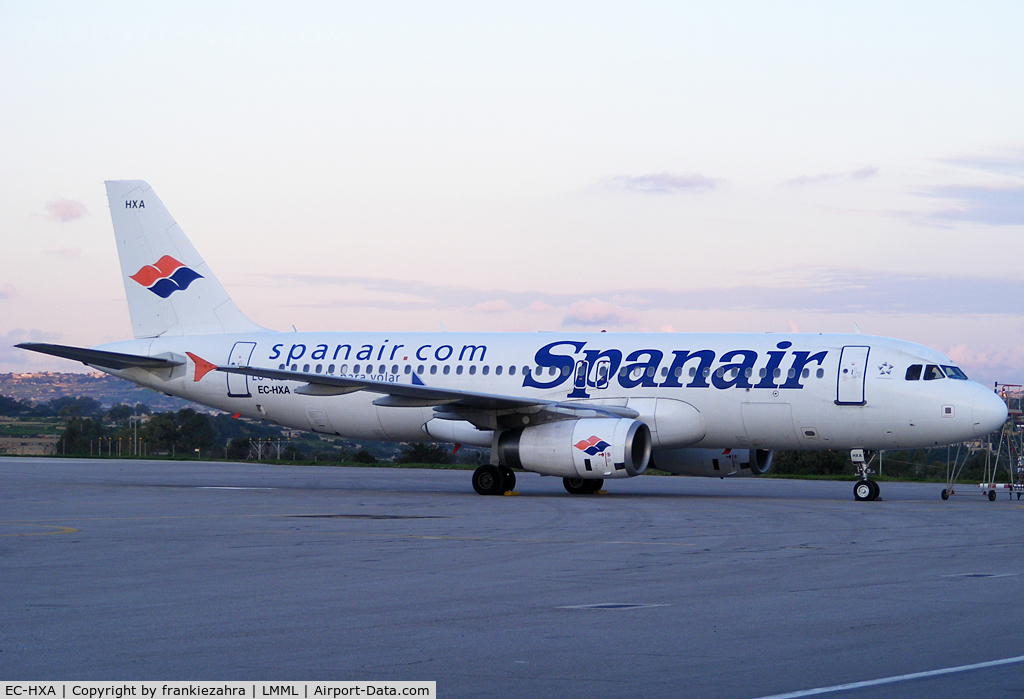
(585, 407)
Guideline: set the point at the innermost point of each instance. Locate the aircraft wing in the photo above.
(101, 358)
(448, 400)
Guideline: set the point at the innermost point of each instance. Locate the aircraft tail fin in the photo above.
(170, 288)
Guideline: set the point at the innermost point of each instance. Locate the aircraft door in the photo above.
(601, 370)
(853, 364)
(580, 377)
(238, 385)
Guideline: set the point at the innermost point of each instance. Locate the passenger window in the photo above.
(394, 369)
(820, 373)
(747, 372)
(679, 371)
(458, 369)
(664, 371)
(343, 369)
(319, 368)
(447, 370)
(472, 369)
(761, 372)
(281, 367)
(295, 367)
(552, 371)
(512, 370)
(419, 369)
(305, 368)
(433, 368)
(932, 372)
(707, 372)
(791, 373)
(778, 373)
(330, 369)
(497, 370)
(693, 372)
(486, 370)
(805, 373)
(565, 371)
(408, 368)
(623, 372)
(954, 372)
(650, 371)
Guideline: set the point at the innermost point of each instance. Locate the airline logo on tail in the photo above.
(593, 445)
(166, 276)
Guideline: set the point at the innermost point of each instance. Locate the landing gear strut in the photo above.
(582, 486)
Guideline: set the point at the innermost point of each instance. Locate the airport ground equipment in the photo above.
(1008, 457)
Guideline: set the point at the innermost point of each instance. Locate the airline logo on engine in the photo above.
(592, 446)
(166, 276)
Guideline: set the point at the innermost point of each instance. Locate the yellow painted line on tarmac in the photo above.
(56, 529)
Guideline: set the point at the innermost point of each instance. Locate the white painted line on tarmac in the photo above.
(895, 678)
(228, 487)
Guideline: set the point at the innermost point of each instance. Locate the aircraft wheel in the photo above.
(595, 485)
(577, 486)
(992, 495)
(863, 490)
(945, 494)
(508, 476)
(875, 490)
(488, 480)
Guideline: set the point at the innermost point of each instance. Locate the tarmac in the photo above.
(663, 587)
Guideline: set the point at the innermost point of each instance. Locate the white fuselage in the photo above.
(763, 391)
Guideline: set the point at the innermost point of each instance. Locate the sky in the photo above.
(662, 167)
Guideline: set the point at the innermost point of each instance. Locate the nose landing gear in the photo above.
(864, 489)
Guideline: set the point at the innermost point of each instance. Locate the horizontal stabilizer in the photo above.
(100, 358)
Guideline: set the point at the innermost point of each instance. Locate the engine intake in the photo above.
(587, 448)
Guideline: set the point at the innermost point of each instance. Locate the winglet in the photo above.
(203, 367)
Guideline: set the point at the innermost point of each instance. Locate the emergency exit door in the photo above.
(238, 384)
(853, 365)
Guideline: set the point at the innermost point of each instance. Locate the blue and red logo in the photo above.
(593, 445)
(166, 276)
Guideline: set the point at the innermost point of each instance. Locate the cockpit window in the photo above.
(932, 372)
(954, 372)
(914, 372)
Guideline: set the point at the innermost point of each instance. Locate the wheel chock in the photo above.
(511, 492)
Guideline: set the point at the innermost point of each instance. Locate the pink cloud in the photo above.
(597, 312)
(495, 306)
(8, 291)
(67, 253)
(540, 307)
(65, 210)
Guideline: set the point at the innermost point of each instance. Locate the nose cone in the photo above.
(988, 411)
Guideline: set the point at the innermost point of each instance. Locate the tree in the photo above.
(364, 457)
(421, 453)
(81, 436)
(195, 430)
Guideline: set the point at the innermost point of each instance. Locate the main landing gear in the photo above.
(494, 480)
(864, 489)
(583, 486)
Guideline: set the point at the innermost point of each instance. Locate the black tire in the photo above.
(577, 486)
(992, 495)
(945, 494)
(509, 477)
(488, 480)
(875, 490)
(596, 485)
(862, 490)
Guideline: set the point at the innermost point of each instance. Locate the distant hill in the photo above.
(104, 388)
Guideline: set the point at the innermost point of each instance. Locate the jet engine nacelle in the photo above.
(713, 462)
(586, 448)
